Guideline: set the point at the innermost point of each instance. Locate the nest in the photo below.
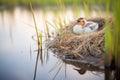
(92, 44)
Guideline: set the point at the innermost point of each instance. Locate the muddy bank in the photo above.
(85, 48)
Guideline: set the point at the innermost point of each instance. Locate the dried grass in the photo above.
(67, 43)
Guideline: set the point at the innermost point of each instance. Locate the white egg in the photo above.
(87, 30)
(77, 29)
(91, 28)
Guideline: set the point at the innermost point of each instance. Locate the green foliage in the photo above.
(112, 43)
(40, 38)
(108, 39)
(51, 2)
(116, 36)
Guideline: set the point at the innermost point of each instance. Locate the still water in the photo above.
(18, 48)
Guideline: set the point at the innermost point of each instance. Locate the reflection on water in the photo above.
(19, 58)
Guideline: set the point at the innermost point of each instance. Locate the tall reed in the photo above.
(39, 41)
(86, 8)
(112, 43)
(47, 29)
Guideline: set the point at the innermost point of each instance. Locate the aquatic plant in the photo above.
(39, 41)
(47, 29)
(112, 42)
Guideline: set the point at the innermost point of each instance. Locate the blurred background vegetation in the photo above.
(51, 2)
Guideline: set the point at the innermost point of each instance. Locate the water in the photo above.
(18, 48)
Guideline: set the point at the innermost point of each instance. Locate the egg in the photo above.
(77, 29)
(85, 27)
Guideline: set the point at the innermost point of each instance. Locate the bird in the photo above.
(78, 28)
(83, 26)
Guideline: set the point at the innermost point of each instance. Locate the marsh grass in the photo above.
(40, 47)
(52, 25)
(39, 41)
(46, 55)
(86, 8)
(58, 24)
(36, 29)
(112, 42)
(47, 29)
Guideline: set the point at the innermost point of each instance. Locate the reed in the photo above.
(40, 47)
(61, 20)
(53, 25)
(36, 29)
(116, 39)
(116, 36)
(86, 8)
(108, 38)
(39, 41)
(47, 29)
(57, 25)
(112, 43)
(60, 23)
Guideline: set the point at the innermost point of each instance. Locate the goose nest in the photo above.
(74, 46)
